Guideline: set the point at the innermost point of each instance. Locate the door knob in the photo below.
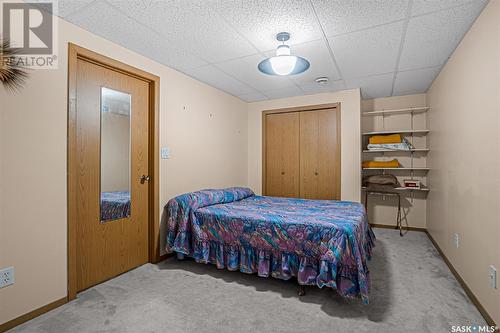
(145, 178)
(316, 173)
(282, 173)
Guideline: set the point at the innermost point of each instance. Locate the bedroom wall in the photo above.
(465, 157)
(205, 129)
(350, 137)
(383, 210)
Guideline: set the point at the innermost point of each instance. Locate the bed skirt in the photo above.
(307, 270)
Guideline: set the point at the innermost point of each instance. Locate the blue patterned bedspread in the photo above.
(320, 242)
(115, 205)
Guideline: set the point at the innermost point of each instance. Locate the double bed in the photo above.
(319, 242)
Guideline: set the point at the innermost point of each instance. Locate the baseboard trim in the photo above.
(466, 288)
(165, 257)
(32, 314)
(46, 308)
(386, 226)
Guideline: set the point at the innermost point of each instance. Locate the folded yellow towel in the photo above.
(380, 139)
(381, 164)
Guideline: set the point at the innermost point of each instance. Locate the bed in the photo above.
(319, 242)
(115, 205)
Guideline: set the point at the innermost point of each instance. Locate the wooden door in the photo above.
(282, 154)
(320, 154)
(107, 248)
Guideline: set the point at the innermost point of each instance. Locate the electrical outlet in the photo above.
(493, 277)
(6, 277)
(456, 240)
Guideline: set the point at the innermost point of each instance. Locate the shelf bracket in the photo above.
(383, 120)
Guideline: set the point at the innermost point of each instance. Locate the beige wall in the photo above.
(465, 157)
(205, 129)
(350, 137)
(382, 210)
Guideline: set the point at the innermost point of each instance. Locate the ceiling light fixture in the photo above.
(283, 63)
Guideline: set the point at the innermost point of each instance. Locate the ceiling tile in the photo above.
(66, 7)
(284, 92)
(367, 52)
(222, 41)
(432, 38)
(191, 25)
(342, 16)
(128, 33)
(259, 21)
(245, 70)
(253, 97)
(420, 7)
(415, 82)
(314, 88)
(168, 55)
(218, 79)
(372, 86)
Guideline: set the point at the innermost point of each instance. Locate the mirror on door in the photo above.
(115, 154)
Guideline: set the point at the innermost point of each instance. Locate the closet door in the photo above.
(320, 154)
(282, 154)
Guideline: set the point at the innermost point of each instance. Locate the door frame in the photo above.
(76, 52)
(296, 109)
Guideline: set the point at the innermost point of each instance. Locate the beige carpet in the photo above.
(412, 291)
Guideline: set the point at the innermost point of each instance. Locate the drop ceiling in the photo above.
(384, 47)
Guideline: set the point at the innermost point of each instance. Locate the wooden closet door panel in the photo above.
(329, 155)
(309, 153)
(282, 155)
(320, 154)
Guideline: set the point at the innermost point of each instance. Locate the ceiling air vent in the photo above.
(321, 80)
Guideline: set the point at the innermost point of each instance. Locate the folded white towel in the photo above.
(405, 145)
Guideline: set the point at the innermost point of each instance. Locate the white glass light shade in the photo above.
(283, 65)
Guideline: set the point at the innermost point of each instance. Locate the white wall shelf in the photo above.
(422, 188)
(395, 111)
(410, 122)
(401, 169)
(408, 131)
(423, 150)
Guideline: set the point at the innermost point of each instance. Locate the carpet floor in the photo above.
(412, 291)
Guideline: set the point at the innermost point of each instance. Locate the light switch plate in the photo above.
(493, 277)
(6, 277)
(456, 240)
(165, 153)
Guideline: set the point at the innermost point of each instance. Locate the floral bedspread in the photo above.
(320, 242)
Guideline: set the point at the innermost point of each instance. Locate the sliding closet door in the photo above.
(320, 154)
(282, 154)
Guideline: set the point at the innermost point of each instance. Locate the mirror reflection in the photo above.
(115, 154)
